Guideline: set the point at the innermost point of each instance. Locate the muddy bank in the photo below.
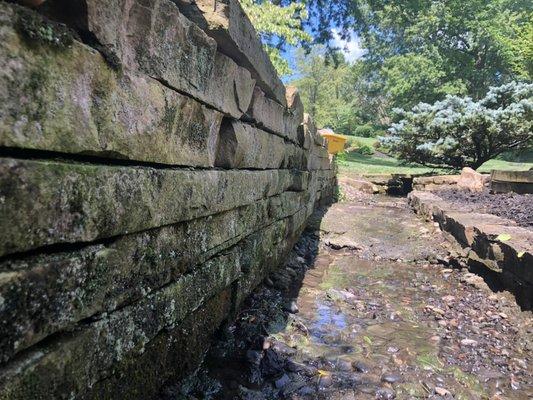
(341, 321)
(516, 207)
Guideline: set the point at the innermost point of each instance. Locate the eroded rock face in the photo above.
(69, 100)
(52, 202)
(155, 38)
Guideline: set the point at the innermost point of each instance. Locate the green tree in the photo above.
(278, 25)
(327, 89)
(459, 131)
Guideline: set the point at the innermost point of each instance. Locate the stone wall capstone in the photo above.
(153, 171)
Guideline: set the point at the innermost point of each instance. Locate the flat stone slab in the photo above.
(74, 364)
(153, 37)
(227, 23)
(70, 100)
(48, 202)
(245, 146)
(44, 294)
(504, 246)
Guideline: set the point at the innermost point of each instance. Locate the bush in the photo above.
(365, 131)
(460, 132)
(365, 150)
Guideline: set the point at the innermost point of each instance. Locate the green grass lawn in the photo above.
(376, 164)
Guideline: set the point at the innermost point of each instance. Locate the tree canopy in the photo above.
(459, 131)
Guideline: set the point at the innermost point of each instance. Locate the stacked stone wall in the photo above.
(153, 171)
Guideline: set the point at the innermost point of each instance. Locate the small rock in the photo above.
(442, 392)
(291, 307)
(469, 342)
(385, 394)
(390, 378)
(361, 367)
(344, 365)
(282, 382)
(325, 380)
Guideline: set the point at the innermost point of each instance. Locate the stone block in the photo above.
(244, 146)
(226, 22)
(48, 202)
(274, 117)
(153, 37)
(71, 364)
(471, 180)
(69, 100)
(512, 181)
(44, 294)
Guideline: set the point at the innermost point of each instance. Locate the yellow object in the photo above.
(335, 142)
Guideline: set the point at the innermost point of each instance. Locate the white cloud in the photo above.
(350, 48)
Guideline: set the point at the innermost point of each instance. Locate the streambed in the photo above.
(372, 305)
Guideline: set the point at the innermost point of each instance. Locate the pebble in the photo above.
(390, 378)
(344, 365)
(468, 342)
(361, 367)
(282, 382)
(291, 307)
(442, 392)
(385, 394)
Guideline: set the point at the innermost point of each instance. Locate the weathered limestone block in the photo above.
(44, 294)
(244, 146)
(47, 202)
(296, 110)
(434, 182)
(310, 130)
(73, 363)
(360, 185)
(152, 36)
(69, 100)
(512, 181)
(471, 180)
(276, 118)
(227, 23)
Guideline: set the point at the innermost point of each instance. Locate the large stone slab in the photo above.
(228, 24)
(276, 118)
(492, 241)
(48, 202)
(512, 181)
(69, 100)
(244, 146)
(152, 36)
(44, 294)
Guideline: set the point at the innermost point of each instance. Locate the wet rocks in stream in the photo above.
(346, 324)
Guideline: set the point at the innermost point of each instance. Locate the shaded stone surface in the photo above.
(52, 202)
(132, 229)
(244, 146)
(47, 293)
